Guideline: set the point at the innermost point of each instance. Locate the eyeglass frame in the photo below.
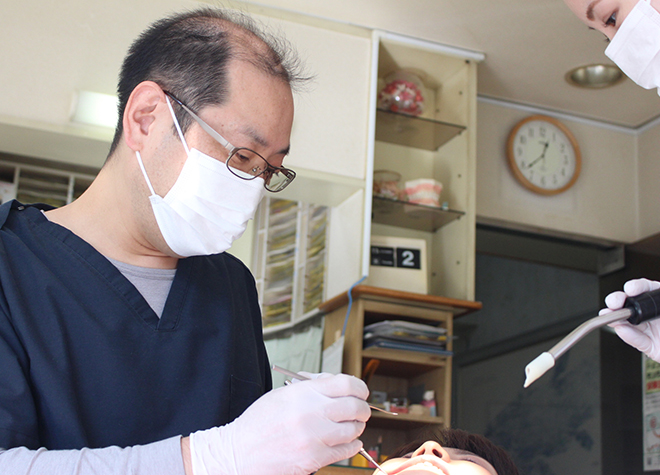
(231, 149)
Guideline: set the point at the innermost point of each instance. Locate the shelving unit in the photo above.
(51, 184)
(439, 144)
(336, 169)
(290, 261)
(398, 370)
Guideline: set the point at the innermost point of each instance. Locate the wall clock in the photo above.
(543, 155)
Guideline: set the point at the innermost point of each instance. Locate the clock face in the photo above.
(543, 155)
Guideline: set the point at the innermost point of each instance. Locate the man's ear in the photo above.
(140, 113)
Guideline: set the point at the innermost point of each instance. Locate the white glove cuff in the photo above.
(208, 455)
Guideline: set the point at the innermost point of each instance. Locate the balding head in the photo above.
(189, 54)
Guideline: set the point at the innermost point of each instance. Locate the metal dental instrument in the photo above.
(636, 310)
(291, 374)
(366, 455)
(362, 452)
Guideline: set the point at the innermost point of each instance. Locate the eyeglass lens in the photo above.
(244, 160)
(247, 161)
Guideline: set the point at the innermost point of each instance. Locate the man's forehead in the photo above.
(253, 134)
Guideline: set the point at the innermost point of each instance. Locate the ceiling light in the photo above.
(595, 76)
(95, 108)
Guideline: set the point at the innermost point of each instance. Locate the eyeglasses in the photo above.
(243, 162)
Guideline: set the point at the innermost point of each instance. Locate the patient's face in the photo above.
(432, 458)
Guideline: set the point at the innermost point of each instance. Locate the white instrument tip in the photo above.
(538, 367)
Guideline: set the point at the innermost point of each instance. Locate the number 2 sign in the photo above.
(398, 263)
(408, 258)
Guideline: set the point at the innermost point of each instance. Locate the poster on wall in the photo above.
(651, 404)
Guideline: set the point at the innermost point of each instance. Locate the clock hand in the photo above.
(534, 162)
(545, 148)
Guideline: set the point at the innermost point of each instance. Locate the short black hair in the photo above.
(460, 439)
(188, 54)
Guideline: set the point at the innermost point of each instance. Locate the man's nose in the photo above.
(432, 448)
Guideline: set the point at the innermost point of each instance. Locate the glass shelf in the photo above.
(412, 216)
(410, 131)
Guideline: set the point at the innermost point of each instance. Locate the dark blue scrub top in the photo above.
(84, 360)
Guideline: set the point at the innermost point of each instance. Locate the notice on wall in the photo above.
(398, 263)
(651, 395)
(396, 257)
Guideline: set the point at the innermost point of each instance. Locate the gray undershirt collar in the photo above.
(153, 284)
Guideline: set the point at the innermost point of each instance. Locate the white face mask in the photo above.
(207, 208)
(635, 47)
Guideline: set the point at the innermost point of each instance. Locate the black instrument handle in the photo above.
(644, 307)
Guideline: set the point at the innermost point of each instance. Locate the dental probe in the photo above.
(636, 310)
(366, 455)
(362, 452)
(291, 374)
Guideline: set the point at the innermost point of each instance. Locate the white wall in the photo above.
(603, 202)
(51, 49)
(649, 182)
(54, 49)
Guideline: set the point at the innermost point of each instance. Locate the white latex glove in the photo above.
(292, 430)
(645, 336)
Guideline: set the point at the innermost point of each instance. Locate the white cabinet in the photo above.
(439, 144)
(330, 135)
(51, 183)
(289, 262)
(339, 139)
(330, 140)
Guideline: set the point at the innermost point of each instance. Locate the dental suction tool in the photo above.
(636, 310)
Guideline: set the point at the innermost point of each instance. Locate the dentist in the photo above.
(130, 341)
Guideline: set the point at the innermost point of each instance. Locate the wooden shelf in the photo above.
(411, 131)
(380, 420)
(400, 363)
(457, 307)
(399, 371)
(411, 215)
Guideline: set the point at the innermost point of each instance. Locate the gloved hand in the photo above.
(645, 336)
(293, 430)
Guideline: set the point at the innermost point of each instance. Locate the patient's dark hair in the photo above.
(460, 439)
(188, 54)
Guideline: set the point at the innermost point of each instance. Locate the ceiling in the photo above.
(529, 46)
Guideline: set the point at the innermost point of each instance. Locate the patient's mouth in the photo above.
(427, 464)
